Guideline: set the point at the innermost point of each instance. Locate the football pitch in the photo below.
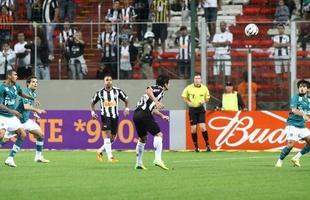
(216, 175)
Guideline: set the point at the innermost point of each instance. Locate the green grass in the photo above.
(217, 175)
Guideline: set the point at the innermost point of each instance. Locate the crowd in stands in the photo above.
(117, 42)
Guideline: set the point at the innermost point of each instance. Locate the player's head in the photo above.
(32, 82)
(302, 86)
(11, 76)
(163, 81)
(107, 79)
(197, 79)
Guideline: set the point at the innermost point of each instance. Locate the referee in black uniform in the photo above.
(145, 122)
(108, 97)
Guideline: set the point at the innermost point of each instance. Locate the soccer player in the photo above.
(295, 125)
(8, 94)
(26, 106)
(108, 97)
(144, 121)
(195, 96)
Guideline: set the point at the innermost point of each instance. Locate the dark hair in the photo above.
(162, 80)
(245, 76)
(183, 28)
(303, 82)
(28, 81)
(9, 72)
(107, 75)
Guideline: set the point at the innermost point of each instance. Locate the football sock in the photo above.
(16, 147)
(305, 150)
(194, 137)
(206, 137)
(158, 145)
(139, 152)
(108, 148)
(39, 147)
(101, 148)
(284, 153)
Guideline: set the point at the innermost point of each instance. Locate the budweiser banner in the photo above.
(255, 130)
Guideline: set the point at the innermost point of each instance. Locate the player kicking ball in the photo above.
(295, 129)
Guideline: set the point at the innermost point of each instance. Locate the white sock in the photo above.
(101, 149)
(139, 153)
(38, 154)
(158, 145)
(298, 155)
(108, 148)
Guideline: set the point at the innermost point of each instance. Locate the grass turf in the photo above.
(217, 175)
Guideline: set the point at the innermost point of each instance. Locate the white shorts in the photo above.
(12, 123)
(294, 133)
(279, 64)
(30, 125)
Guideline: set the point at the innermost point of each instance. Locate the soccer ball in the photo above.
(251, 30)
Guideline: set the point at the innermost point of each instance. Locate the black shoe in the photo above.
(208, 149)
(197, 149)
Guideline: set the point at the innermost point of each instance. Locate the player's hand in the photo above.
(37, 102)
(165, 117)
(41, 111)
(36, 116)
(93, 115)
(159, 105)
(126, 111)
(190, 104)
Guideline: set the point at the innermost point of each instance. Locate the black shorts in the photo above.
(144, 122)
(109, 124)
(211, 14)
(160, 31)
(197, 115)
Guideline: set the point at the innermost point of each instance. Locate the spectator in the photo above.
(67, 8)
(306, 6)
(29, 4)
(281, 44)
(282, 13)
(50, 16)
(221, 42)
(36, 11)
(24, 69)
(102, 71)
(5, 29)
(243, 91)
(231, 100)
(291, 7)
(161, 17)
(128, 54)
(107, 43)
(7, 60)
(128, 13)
(42, 70)
(211, 7)
(114, 15)
(304, 35)
(10, 5)
(77, 64)
(146, 57)
(142, 9)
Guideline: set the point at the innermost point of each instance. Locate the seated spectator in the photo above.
(24, 69)
(304, 35)
(5, 30)
(7, 60)
(282, 14)
(67, 8)
(243, 91)
(36, 11)
(231, 100)
(77, 63)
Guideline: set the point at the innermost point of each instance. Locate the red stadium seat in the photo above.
(168, 54)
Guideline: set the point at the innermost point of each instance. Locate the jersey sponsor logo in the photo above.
(109, 104)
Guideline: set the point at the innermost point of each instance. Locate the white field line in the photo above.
(220, 159)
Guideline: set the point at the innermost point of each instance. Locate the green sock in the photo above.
(16, 147)
(305, 150)
(284, 153)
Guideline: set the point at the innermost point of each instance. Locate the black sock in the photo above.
(194, 137)
(206, 137)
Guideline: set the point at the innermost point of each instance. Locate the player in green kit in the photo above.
(295, 125)
(25, 107)
(9, 90)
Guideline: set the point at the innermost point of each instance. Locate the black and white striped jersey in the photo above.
(49, 7)
(107, 43)
(109, 101)
(145, 103)
(184, 43)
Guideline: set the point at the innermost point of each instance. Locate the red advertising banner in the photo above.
(255, 130)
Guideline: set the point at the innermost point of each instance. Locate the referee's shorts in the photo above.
(197, 115)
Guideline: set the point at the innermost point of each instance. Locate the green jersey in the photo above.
(302, 104)
(8, 97)
(20, 108)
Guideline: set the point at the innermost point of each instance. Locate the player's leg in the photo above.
(305, 135)
(112, 136)
(138, 120)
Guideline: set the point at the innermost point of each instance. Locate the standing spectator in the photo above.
(161, 17)
(114, 15)
(50, 16)
(231, 100)
(128, 53)
(10, 5)
(24, 69)
(291, 7)
(146, 57)
(243, 91)
(281, 44)
(5, 29)
(77, 64)
(42, 70)
(107, 43)
(128, 12)
(36, 11)
(304, 34)
(29, 4)
(282, 13)
(67, 8)
(221, 42)
(211, 7)
(142, 9)
(7, 60)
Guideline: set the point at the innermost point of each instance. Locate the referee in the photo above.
(195, 95)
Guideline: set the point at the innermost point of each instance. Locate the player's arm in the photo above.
(164, 117)
(150, 94)
(94, 100)
(33, 109)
